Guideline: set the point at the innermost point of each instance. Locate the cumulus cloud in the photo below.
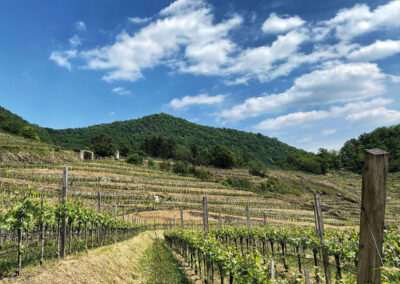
(275, 24)
(196, 100)
(121, 91)
(80, 26)
(358, 20)
(377, 50)
(327, 132)
(350, 111)
(75, 41)
(62, 57)
(336, 82)
(137, 20)
(378, 116)
(185, 24)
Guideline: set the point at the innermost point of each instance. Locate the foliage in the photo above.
(222, 157)
(200, 173)
(103, 145)
(240, 183)
(151, 163)
(165, 165)
(135, 159)
(256, 168)
(181, 167)
(385, 138)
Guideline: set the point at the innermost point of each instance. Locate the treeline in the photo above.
(14, 124)
(166, 148)
(385, 138)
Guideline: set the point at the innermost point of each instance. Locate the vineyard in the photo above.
(108, 201)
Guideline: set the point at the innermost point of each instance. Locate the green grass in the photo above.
(161, 266)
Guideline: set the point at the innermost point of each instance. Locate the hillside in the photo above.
(257, 146)
(386, 138)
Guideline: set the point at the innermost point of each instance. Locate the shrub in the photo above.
(181, 168)
(240, 183)
(201, 173)
(151, 163)
(165, 165)
(256, 168)
(135, 159)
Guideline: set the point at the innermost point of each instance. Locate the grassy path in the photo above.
(138, 260)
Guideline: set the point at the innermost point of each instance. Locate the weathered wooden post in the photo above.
(181, 211)
(219, 220)
(248, 220)
(265, 219)
(116, 155)
(123, 213)
(115, 211)
(307, 276)
(272, 270)
(205, 215)
(373, 201)
(63, 229)
(320, 230)
(174, 222)
(99, 201)
(42, 231)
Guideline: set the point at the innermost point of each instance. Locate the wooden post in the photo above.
(272, 270)
(42, 228)
(180, 209)
(174, 221)
(219, 220)
(63, 229)
(248, 219)
(205, 215)
(99, 201)
(123, 214)
(307, 276)
(320, 230)
(115, 211)
(265, 219)
(373, 201)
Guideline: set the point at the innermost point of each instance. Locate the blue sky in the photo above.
(311, 73)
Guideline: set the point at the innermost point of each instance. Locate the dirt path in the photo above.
(118, 263)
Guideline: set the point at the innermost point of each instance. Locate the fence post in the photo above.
(373, 201)
(180, 209)
(205, 215)
(307, 276)
(99, 201)
(320, 230)
(174, 222)
(219, 220)
(272, 270)
(248, 220)
(115, 211)
(123, 213)
(63, 229)
(265, 219)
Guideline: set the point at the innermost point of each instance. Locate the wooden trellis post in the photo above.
(248, 219)
(373, 202)
(319, 223)
(219, 220)
(63, 228)
(99, 201)
(174, 221)
(181, 211)
(205, 215)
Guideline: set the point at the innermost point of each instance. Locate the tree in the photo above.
(30, 133)
(256, 168)
(135, 159)
(222, 157)
(103, 145)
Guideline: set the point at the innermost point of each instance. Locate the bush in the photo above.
(240, 183)
(181, 168)
(201, 173)
(165, 165)
(151, 163)
(256, 168)
(222, 157)
(274, 185)
(135, 159)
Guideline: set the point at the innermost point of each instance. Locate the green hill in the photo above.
(385, 138)
(185, 133)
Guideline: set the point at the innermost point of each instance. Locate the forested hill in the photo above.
(185, 133)
(385, 138)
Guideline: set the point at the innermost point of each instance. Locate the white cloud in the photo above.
(196, 100)
(111, 113)
(75, 41)
(377, 50)
(121, 91)
(80, 26)
(378, 117)
(336, 82)
(137, 20)
(349, 23)
(62, 57)
(185, 24)
(394, 78)
(299, 118)
(275, 24)
(327, 132)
